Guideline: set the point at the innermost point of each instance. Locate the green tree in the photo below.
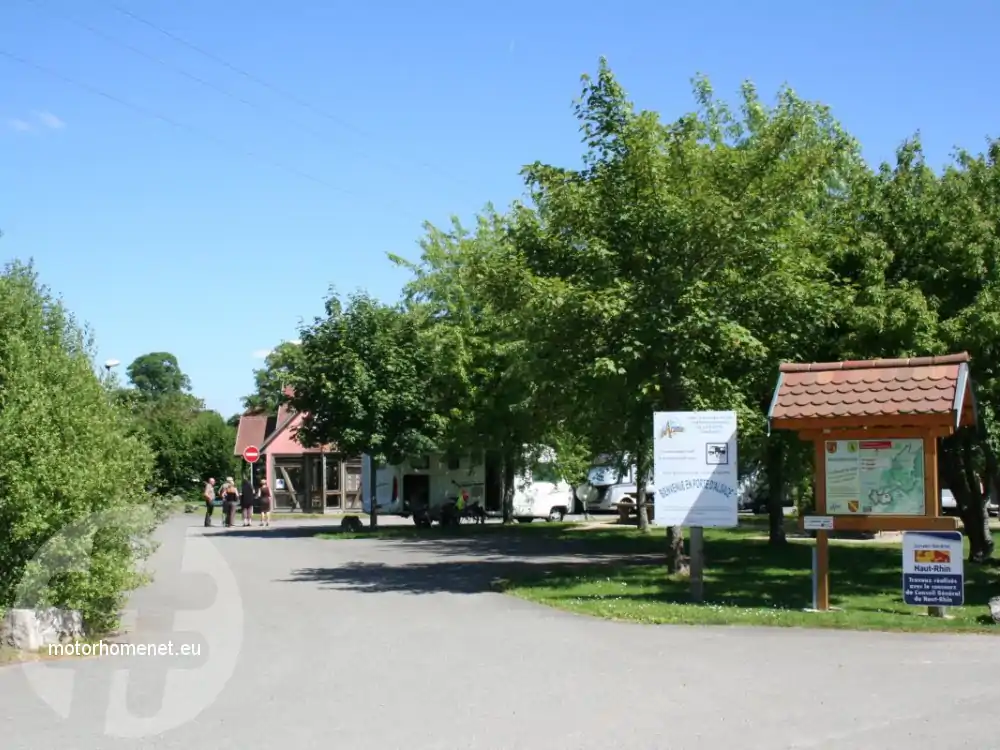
(157, 374)
(363, 382)
(681, 263)
(271, 379)
(211, 442)
(482, 383)
(67, 453)
(928, 282)
(190, 443)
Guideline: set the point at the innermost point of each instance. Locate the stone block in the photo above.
(31, 630)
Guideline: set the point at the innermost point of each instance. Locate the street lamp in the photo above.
(110, 364)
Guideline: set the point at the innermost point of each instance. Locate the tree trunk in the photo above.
(373, 518)
(774, 470)
(508, 489)
(974, 514)
(642, 471)
(677, 562)
(956, 466)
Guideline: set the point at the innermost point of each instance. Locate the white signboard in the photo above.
(933, 574)
(818, 523)
(694, 469)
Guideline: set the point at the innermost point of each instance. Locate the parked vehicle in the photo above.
(949, 506)
(427, 488)
(608, 483)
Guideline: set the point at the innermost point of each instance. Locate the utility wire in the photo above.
(197, 79)
(265, 84)
(177, 124)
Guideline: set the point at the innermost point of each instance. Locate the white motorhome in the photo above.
(608, 483)
(422, 485)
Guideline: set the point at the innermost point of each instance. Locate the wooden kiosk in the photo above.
(875, 427)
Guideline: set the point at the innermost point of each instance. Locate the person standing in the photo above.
(209, 494)
(230, 498)
(246, 502)
(265, 503)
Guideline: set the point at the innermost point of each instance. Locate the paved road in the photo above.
(375, 644)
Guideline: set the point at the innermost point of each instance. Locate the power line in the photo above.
(265, 84)
(191, 76)
(175, 123)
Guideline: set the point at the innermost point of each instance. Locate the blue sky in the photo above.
(174, 238)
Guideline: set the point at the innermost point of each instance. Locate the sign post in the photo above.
(251, 454)
(933, 573)
(697, 563)
(696, 478)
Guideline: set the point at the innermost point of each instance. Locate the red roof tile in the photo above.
(881, 387)
(251, 431)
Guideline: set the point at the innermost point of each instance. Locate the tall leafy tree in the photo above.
(483, 383)
(190, 443)
(157, 374)
(929, 283)
(681, 263)
(271, 379)
(363, 382)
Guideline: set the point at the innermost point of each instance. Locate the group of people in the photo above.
(243, 498)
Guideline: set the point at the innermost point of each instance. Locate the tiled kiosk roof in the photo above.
(923, 391)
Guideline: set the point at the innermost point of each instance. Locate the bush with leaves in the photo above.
(68, 456)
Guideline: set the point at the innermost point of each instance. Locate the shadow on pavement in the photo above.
(438, 577)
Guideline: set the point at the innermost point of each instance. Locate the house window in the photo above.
(454, 463)
(332, 474)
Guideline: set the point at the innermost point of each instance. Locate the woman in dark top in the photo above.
(246, 502)
(265, 504)
(230, 498)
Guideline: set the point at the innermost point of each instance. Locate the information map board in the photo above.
(866, 477)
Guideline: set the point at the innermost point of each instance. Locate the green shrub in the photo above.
(68, 455)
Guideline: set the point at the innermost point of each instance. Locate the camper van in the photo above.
(421, 486)
(608, 483)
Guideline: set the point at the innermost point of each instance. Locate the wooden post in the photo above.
(342, 481)
(373, 518)
(697, 563)
(822, 541)
(932, 497)
(323, 469)
(822, 571)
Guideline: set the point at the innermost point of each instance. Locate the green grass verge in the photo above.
(748, 582)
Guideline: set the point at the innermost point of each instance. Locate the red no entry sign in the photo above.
(251, 454)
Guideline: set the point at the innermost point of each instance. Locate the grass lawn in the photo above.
(748, 582)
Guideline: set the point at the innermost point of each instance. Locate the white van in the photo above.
(421, 486)
(608, 484)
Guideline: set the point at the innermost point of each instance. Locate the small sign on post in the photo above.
(251, 454)
(933, 574)
(817, 523)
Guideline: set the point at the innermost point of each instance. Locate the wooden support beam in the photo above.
(874, 422)
(897, 433)
(822, 548)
